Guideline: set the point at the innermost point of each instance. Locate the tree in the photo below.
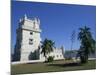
(87, 44)
(72, 40)
(47, 47)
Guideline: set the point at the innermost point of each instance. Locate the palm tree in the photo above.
(87, 44)
(47, 47)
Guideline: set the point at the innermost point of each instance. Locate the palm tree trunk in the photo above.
(45, 58)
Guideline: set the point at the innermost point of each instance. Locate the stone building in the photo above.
(28, 42)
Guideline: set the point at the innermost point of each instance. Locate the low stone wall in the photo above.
(92, 59)
(24, 62)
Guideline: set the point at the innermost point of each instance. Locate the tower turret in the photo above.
(36, 23)
(25, 17)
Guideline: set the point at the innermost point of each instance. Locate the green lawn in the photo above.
(63, 65)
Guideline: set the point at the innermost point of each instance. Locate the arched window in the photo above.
(60, 55)
(31, 33)
(57, 55)
(30, 41)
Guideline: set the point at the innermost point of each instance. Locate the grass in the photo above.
(63, 65)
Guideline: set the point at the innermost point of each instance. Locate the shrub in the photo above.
(50, 59)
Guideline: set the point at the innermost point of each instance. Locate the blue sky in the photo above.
(57, 20)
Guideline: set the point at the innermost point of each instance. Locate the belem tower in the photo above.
(28, 41)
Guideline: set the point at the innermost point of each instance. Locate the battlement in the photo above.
(29, 24)
(25, 18)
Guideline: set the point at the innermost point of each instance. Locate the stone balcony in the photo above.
(30, 28)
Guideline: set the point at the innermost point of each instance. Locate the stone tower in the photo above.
(28, 39)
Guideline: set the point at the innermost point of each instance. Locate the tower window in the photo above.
(30, 41)
(57, 55)
(60, 55)
(31, 33)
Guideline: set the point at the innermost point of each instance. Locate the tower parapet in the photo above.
(29, 24)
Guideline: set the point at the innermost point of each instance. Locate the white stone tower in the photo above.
(28, 39)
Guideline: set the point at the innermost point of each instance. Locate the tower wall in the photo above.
(29, 47)
(30, 39)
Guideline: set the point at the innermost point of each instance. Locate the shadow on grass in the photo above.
(66, 64)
